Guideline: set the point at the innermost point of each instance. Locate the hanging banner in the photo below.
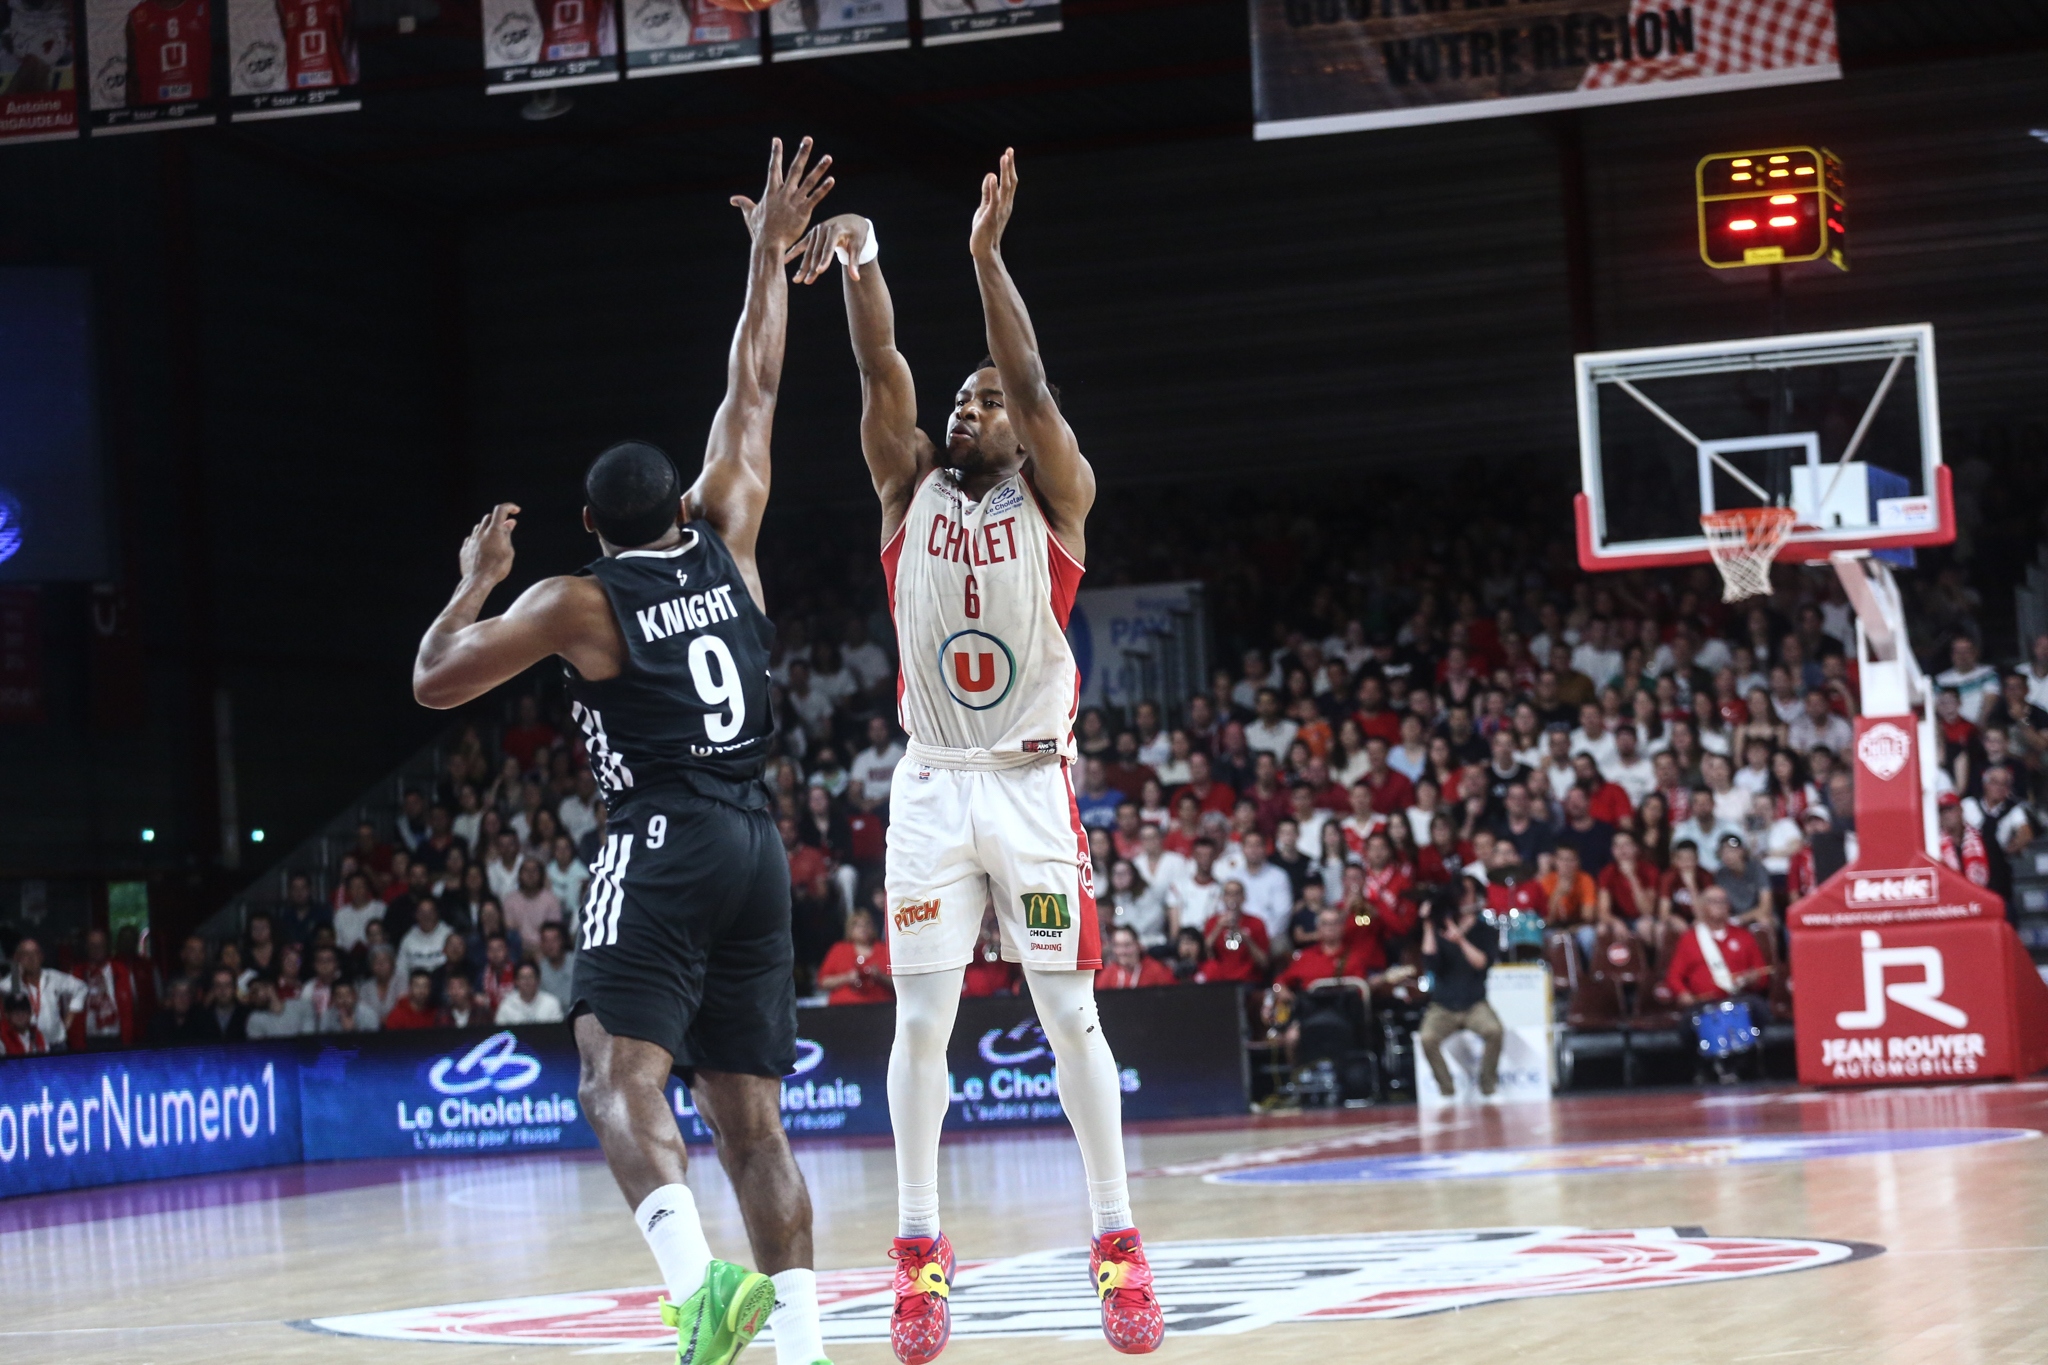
(290, 57)
(1336, 66)
(151, 65)
(669, 37)
(38, 71)
(967, 21)
(546, 44)
(826, 28)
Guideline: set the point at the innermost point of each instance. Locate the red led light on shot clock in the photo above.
(1784, 199)
(1803, 170)
(1742, 225)
(1784, 220)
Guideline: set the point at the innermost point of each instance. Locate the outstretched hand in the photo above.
(998, 197)
(487, 554)
(845, 236)
(784, 210)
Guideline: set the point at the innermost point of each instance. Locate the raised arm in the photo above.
(732, 491)
(1058, 469)
(897, 452)
(461, 658)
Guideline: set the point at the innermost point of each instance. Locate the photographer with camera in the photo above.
(1458, 947)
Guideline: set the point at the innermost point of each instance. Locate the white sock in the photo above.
(668, 1220)
(1089, 1088)
(926, 1003)
(799, 1337)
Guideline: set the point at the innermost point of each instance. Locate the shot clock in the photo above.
(1772, 207)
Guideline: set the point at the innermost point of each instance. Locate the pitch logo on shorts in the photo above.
(912, 916)
(977, 669)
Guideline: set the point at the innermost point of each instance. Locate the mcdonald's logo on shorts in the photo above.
(1046, 910)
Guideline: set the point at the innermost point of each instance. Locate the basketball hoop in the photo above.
(1743, 542)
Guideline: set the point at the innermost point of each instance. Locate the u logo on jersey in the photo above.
(978, 669)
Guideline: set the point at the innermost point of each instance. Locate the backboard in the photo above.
(1843, 427)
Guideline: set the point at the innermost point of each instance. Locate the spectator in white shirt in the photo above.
(2035, 671)
(1754, 775)
(1631, 771)
(528, 1003)
(346, 1012)
(1195, 896)
(503, 868)
(1410, 757)
(831, 676)
(875, 766)
(1592, 737)
(1976, 683)
(270, 1017)
(811, 705)
(577, 814)
(383, 987)
(1268, 894)
(1258, 673)
(566, 875)
(1556, 768)
(867, 661)
(1174, 771)
(529, 906)
(425, 945)
(55, 998)
(1817, 724)
(1596, 656)
(1155, 746)
(556, 963)
(1270, 732)
(356, 912)
(1157, 864)
(1731, 803)
(469, 815)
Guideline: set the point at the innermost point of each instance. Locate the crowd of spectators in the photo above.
(1467, 713)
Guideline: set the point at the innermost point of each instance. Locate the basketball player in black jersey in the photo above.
(684, 959)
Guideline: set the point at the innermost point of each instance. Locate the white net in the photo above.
(1743, 542)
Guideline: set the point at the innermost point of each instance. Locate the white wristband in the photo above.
(867, 252)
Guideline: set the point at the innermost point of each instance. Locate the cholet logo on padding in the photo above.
(494, 1064)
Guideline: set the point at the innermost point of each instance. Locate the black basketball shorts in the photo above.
(684, 937)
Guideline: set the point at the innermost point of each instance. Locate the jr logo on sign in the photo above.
(1922, 996)
(1045, 910)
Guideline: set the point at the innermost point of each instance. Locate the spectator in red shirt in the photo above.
(1693, 978)
(1391, 792)
(1129, 967)
(810, 890)
(1334, 953)
(526, 739)
(987, 973)
(1209, 794)
(1605, 801)
(1386, 884)
(19, 1036)
(1628, 885)
(1270, 800)
(1372, 715)
(416, 1010)
(856, 970)
(1238, 947)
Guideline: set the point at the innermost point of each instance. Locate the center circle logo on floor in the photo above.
(978, 669)
(1209, 1288)
(494, 1064)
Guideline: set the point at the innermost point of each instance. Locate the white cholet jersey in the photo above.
(980, 593)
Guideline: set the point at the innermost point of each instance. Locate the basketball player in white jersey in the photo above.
(982, 543)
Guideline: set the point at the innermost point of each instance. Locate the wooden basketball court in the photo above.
(1710, 1226)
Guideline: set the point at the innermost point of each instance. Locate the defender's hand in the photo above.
(821, 245)
(998, 197)
(487, 554)
(788, 198)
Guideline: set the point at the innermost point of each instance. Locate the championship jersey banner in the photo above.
(151, 64)
(826, 28)
(669, 37)
(38, 71)
(1336, 66)
(290, 57)
(545, 44)
(967, 21)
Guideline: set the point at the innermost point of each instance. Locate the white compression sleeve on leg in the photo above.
(668, 1220)
(1089, 1089)
(926, 1003)
(799, 1337)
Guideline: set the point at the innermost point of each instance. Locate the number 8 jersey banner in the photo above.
(152, 64)
(544, 44)
(290, 57)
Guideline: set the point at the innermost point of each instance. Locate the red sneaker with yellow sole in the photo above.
(923, 1320)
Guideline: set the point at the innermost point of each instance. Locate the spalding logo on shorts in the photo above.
(978, 669)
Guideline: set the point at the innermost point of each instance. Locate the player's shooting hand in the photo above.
(846, 235)
(998, 197)
(487, 554)
(784, 210)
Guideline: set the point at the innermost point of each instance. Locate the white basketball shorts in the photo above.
(962, 840)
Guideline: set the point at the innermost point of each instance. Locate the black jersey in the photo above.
(690, 707)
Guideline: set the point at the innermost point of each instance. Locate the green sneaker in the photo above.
(715, 1324)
